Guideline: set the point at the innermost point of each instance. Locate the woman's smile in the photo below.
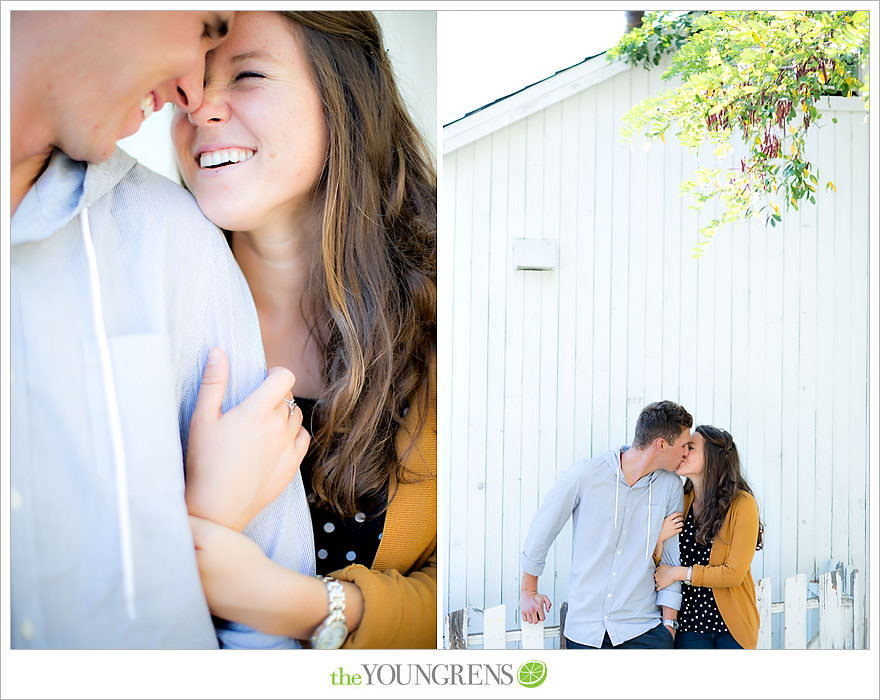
(222, 157)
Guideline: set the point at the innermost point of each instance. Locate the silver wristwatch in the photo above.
(671, 623)
(690, 573)
(332, 632)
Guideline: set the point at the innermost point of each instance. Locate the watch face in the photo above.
(332, 636)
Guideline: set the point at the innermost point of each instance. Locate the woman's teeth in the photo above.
(147, 106)
(230, 155)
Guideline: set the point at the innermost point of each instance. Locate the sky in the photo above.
(484, 55)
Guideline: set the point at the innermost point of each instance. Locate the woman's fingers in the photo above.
(301, 442)
(295, 420)
(239, 461)
(293, 457)
(275, 387)
(213, 387)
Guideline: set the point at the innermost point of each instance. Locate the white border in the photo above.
(808, 674)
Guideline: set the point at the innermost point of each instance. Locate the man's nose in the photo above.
(189, 90)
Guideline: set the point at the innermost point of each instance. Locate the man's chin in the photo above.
(131, 124)
(130, 129)
(95, 153)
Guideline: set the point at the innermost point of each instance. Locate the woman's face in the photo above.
(695, 460)
(253, 152)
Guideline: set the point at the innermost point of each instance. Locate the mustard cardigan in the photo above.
(400, 589)
(729, 571)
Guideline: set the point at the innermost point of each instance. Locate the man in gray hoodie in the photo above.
(618, 502)
(120, 289)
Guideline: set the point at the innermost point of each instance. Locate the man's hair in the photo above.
(661, 419)
(374, 295)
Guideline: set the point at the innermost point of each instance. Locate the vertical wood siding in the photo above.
(765, 335)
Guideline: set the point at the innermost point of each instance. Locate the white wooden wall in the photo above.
(765, 335)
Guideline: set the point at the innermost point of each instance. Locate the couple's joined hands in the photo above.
(240, 461)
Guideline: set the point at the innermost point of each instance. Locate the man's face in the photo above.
(125, 65)
(676, 452)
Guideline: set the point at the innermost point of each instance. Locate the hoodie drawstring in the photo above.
(117, 442)
(616, 490)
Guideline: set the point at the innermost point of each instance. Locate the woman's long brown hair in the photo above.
(722, 481)
(373, 298)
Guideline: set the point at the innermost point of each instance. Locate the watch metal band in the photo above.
(336, 594)
(690, 574)
(332, 632)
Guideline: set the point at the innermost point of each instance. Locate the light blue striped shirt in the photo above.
(119, 286)
(611, 585)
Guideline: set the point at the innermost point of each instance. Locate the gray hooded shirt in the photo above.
(119, 287)
(616, 527)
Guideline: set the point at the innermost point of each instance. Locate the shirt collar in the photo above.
(54, 199)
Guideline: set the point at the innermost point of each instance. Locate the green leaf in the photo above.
(737, 78)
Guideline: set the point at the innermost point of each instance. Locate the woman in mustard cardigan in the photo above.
(304, 153)
(719, 533)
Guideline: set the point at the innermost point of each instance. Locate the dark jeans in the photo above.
(656, 638)
(705, 640)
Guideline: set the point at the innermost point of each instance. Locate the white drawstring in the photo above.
(616, 489)
(113, 415)
(648, 535)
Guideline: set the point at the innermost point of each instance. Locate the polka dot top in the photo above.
(699, 612)
(340, 541)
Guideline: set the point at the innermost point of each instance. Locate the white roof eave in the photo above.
(533, 99)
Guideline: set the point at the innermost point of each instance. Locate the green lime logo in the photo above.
(531, 674)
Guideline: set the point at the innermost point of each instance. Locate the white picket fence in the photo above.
(840, 602)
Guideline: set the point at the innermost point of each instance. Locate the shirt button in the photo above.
(614, 573)
(609, 595)
(15, 499)
(618, 551)
(27, 629)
